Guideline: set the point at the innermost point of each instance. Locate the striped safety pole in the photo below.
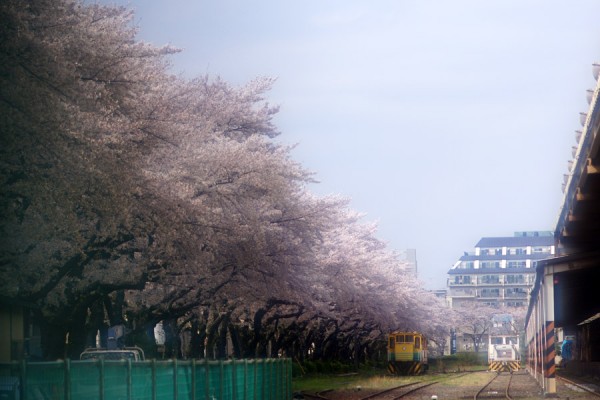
(549, 352)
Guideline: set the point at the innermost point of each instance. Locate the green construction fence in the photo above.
(147, 380)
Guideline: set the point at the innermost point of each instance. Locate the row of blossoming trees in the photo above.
(133, 196)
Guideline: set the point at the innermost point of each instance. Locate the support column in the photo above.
(548, 339)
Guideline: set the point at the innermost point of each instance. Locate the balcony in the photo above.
(490, 283)
(461, 284)
(462, 293)
(515, 295)
(489, 295)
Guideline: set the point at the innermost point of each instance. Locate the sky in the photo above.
(444, 121)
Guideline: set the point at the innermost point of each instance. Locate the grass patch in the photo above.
(478, 379)
(458, 362)
(319, 376)
(317, 383)
(372, 378)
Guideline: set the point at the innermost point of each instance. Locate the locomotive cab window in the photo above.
(400, 339)
(418, 342)
(409, 338)
(392, 342)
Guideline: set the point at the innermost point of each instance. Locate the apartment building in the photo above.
(501, 270)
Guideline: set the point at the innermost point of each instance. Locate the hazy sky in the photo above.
(445, 121)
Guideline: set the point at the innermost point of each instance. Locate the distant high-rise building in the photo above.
(409, 257)
(501, 270)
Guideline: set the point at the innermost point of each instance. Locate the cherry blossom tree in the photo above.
(136, 196)
(70, 77)
(475, 322)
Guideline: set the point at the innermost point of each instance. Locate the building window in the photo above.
(541, 250)
(462, 279)
(462, 292)
(517, 250)
(491, 251)
(515, 279)
(516, 264)
(466, 265)
(489, 279)
(490, 264)
(490, 293)
(519, 293)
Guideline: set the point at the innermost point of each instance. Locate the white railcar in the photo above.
(503, 353)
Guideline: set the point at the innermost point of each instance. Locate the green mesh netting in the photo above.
(153, 380)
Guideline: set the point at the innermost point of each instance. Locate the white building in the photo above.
(409, 258)
(501, 270)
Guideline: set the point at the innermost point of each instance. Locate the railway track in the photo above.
(579, 385)
(477, 385)
(316, 396)
(497, 388)
(394, 393)
(402, 391)
(312, 396)
(398, 392)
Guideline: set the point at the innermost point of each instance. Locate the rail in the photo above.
(396, 392)
(505, 387)
(579, 385)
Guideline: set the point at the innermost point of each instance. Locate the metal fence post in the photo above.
(272, 378)
(233, 380)
(221, 377)
(284, 377)
(254, 395)
(263, 378)
(193, 379)
(285, 370)
(24, 379)
(129, 380)
(101, 386)
(207, 385)
(67, 365)
(175, 379)
(280, 367)
(245, 379)
(154, 379)
(290, 375)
